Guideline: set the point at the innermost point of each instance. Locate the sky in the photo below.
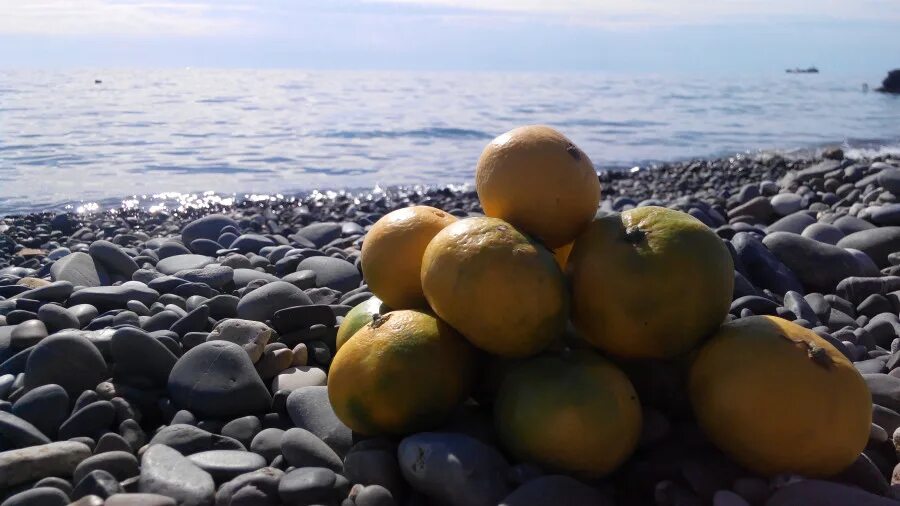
(842, 36)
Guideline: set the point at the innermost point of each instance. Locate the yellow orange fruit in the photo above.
(404, 372)
(502, 290)
(391, 255)
(358, 317)
(573, 412)
(540, 181)
(649, 283)
(778, 398)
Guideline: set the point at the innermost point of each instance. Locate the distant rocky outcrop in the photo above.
(891, 83)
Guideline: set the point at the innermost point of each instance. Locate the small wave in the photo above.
(201, 169)
(421, 133)
(609, 124)
(337, 172)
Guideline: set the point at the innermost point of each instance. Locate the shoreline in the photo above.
(111, 306)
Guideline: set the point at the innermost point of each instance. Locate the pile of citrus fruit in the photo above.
(540, 306)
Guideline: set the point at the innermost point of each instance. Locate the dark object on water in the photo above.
(97, 81)
(809, 70)
(891, 83)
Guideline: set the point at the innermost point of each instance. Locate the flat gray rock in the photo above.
(252, 336)
(166, 472)
(77, 268)
(36, 462)
(173, 264)
(225, 465)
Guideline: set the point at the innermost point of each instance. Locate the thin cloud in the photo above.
(118, 17)
(635, 13)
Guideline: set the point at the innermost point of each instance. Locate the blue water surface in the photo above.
(65, 139)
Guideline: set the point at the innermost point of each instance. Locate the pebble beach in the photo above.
(181, 356)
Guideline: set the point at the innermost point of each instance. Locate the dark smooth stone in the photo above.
(207, 227)
(310, 409)
(97, 483)
(137, 354)
(206, 247)
(46, 407)
(58, 291)
(820, 267)
(166, 472)
(764, 269)
(243, 429)
(171, 249)
(17, 433)
(856, 289)
(111, 442)
(121, 465)
(27, 334)
(885, 390)
(162, 320)
(309, 485)
(222, 306)
(262, 303)
(115, 297)
(374, 462)
(823, 232)
(259, 487)
(113, 258)
(84, 312)
(886, 215)
(38, 496)
(267, 443)
(215, 276)
(333, 273)
(301, 448)
(557, 490)
(319, 234)
(195, 321)
(91, 421)
(851, 224)
(70, 361)
(795, 223)
(243, 277)
(456, 467)
(825, 493)
(758, 305)
(251, 243)
(878, 243)
(216, 379)
(302, 317)
(37, 462)
(301, 279)
(57, 318)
